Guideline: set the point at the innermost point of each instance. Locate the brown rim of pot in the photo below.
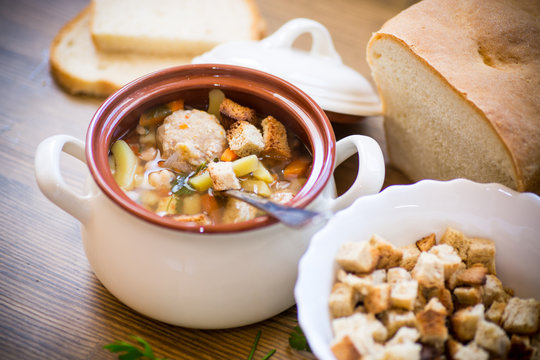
(105, 127)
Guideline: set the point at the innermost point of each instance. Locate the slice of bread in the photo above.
(460, 87)
(172, 27)
(80, 69)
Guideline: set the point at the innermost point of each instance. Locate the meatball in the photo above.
(187, 138)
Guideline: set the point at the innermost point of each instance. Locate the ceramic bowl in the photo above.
(402, 215)
(214, 276)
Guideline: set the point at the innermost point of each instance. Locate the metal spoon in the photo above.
(290, 216)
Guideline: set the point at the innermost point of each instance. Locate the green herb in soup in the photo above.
(178, 159)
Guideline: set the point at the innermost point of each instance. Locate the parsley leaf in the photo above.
(130, 351)
(180, 184)
(298, 341)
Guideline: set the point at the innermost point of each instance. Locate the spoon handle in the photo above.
(290, 216)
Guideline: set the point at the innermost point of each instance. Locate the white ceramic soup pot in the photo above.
(214, 276)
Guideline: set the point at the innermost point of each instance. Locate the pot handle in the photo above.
(49, 177)
(371, 169)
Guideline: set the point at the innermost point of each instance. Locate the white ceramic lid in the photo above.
(319, 72)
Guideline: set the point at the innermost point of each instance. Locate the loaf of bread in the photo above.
(80, 69)
(172, 27)
(460, 86)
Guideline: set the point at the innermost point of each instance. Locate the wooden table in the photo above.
(51, 304)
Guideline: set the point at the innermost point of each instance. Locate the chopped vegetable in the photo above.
(245, 165)
(191, 204)
(228, 155)
(132, 352)
(125, 164)
(258, 187)
(298, 341)
(261, 173)
(296, 168)
(215, 97)
(175, 105)
(201, 182)
(210, 206)
(154, 116)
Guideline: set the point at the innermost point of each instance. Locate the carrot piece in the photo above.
(296, 168)
(228, 155)
(175, 105)
(210, 206)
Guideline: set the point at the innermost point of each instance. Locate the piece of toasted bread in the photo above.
(79, 68)
(172, 27)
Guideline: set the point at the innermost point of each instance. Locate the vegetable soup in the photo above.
(178, 159)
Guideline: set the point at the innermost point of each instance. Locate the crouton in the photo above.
(473, 276)
(237, 211)
(465, 321)
(357, 257)
(201, 219)
(342, 300)
(520, 348)
(361, 284)
(276, 144)
(363, 330)
(378, 276)
(397, 274)
(452, 282)
(493, 291)
(521, 316)
(244, 139)
(378, 299)
(344, 349)
(457, 240)
(426, 243)
(405, 351)
(429, 271)
(449, 258)
(434, 304)
(231, 112)
(467, 296)
(403, 294)
(443, 295)
(495, 312)
(396, 319)
(471, 352)
(431, 325)
(405, 334)
(482, 251)
(410, 255)
(452, 347)
(390, 256)
(492, 338)
(223, 177)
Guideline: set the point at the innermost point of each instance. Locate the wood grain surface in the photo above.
(51, 304)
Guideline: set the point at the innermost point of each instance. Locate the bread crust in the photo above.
(488, 53)
(68, 81)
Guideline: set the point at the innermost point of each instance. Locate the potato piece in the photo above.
(201, 182)
(258, 187)
(125, 164)
(245, 165)
(215, 98)
(191, 204)
(261, 173)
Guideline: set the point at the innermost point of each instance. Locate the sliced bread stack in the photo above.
(112, 42)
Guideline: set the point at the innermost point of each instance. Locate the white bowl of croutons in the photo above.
(425, 269)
